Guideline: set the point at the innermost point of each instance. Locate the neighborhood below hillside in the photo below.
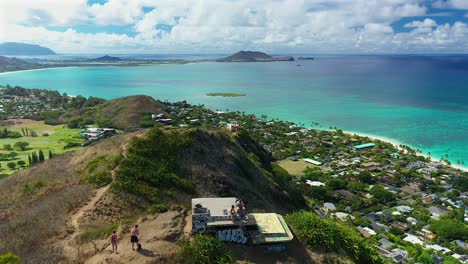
(407, 206)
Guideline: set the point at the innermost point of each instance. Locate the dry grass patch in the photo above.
(294, 168)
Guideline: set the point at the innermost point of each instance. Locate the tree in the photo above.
(41, 156)
(21, 145)
(7, 147)
(34, 158)
(21, 163)
(450, 230)
(381, 194)
(50, 154)
(425, 258)
(103, 121)
(74, 122)
(29, 160)
(11, 165)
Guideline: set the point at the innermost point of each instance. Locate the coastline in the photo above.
(39, 69)
(397, 144)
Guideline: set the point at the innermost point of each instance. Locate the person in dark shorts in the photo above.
(134, 233)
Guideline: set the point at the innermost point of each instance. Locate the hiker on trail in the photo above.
(114, 241)
(134, 233)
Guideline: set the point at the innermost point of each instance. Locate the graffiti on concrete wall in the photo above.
(232, 235)
(199, 223)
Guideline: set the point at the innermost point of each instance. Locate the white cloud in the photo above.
(348, 26)
(455, 4)
(116, 12)
(425, 23)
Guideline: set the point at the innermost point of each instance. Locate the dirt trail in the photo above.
(70, 244)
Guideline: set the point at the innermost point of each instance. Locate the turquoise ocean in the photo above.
(420, 101)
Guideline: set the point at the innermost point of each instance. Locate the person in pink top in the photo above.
(134, 233)
(114, 241)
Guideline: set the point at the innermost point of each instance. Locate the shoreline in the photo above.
(397, 144)
(39, 69)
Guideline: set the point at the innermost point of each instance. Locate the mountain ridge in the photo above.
(24, 49)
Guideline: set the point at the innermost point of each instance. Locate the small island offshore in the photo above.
(226, 94)
(8, 64)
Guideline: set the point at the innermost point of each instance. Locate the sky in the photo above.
(226, 26)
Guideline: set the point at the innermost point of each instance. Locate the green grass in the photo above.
(98, 233)
(59, 136)
(226, 94)
(104, 232)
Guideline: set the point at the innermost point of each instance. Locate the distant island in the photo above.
(106, 58)
(8, 64)
(24, 49)
(226, 94)
(305, 58)
(253, 56)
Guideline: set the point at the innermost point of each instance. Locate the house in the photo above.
(389, 180)
(379, 226)
(415, 165)
(411, 220)
(413, 239)
(399, 225)
(384, 243)
(366, 232)
(404, 209)
(348, 195)
(370, 164)
(461, 244)
(438, 248)
(314, 162)
(399, 255)
(343, 216)
(315, 183)
(436, 212)
(364, 146)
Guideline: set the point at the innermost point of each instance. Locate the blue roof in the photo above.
(366, 145)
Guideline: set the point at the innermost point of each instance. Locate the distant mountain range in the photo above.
(253, 56)
(23, 49)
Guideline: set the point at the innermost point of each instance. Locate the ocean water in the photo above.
(420, 101)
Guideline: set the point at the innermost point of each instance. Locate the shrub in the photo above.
(146, 121)
(9, 258)
(33, 187)
(98, 171)
(329, 236)
(71, 145)
(203, 249)
(21, 145)
(99, 179)
(157, 208)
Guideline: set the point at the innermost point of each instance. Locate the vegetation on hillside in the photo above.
(149, 169)
(330, 236)
(9, 258)
(204, 249)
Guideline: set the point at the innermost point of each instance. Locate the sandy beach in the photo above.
(397, 145)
